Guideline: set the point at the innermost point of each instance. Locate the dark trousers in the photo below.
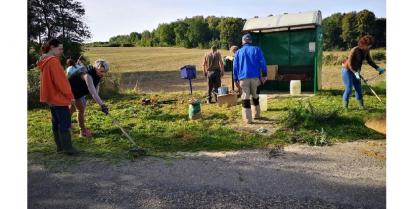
(214, 82)
(60, 118)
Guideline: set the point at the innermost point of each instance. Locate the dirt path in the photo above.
(349, 175)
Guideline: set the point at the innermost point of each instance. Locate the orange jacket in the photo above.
(54, 86)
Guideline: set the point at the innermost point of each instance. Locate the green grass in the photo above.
(340, 125)
(156, 128)
(166, 128)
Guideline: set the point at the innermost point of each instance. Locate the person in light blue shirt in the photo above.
(74, 67)
(250, 71)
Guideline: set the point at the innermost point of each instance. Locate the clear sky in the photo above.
(107, 18)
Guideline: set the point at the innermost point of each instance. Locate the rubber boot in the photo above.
(247, 117)
(68, 148)
(361, 104)
(256, 108)
(256, 111)
(345, 104)
(57, 141)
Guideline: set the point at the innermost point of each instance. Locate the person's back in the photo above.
(78, 85)
(213, 60)
(249, 63)
(213, 68)
(250, 71)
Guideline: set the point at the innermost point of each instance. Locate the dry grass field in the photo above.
(156, 69)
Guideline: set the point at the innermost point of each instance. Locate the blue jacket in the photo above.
(249, 62)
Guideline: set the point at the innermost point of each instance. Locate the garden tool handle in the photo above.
(115, 121)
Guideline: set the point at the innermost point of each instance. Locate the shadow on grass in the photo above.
(167, 117)
(220, 116)
(277, 109)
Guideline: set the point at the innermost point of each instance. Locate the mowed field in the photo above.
(156, 69)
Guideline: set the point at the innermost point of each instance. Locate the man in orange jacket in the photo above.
(55, 90)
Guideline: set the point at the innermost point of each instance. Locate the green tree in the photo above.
(198, 32)
(230, 31)
(365, 22)
(213, 23)
(62, 19)
(134, 37)
(349, 29)
(332, 32)
(145, 38)
(380, 32)
(165, 34)
(120, 39)
(180, 31)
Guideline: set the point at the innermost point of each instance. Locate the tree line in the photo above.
(341, 31)
(194, 32)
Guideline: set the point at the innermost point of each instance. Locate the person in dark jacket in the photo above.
(351, 69)
(86, 82)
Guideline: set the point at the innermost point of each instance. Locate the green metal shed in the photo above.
(292, 47)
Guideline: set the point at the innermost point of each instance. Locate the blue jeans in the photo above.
(349, 81)
(60, 118)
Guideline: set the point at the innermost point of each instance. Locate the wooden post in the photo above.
(191, 87)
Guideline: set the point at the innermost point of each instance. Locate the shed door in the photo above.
(299, 47)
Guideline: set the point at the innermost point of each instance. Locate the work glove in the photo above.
(381, 70)
(104, 109)
(357, 75)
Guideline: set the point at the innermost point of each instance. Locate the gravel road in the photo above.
(348, 175)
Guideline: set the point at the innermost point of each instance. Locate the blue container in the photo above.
(188, 72)
(223, 90)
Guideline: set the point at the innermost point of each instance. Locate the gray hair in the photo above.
(101, 63)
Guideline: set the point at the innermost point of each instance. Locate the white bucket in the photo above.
(263, 102)
(295, 87)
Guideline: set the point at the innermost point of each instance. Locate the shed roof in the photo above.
(311, 18)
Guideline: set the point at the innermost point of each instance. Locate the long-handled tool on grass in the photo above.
(372, 90)
(372, 78)
(136, 151)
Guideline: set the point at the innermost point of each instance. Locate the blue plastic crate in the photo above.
(188, 72)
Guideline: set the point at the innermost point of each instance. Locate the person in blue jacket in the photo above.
(250, 71)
